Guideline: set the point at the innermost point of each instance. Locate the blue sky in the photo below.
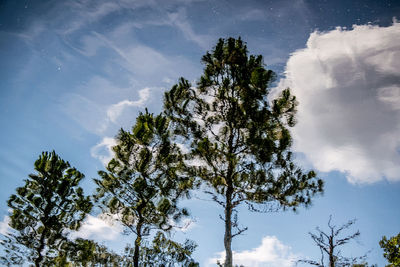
(73, 72)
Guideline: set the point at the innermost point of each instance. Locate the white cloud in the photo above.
(114, 111)
(4, 227)
(347, 83)
(103, 150)
(99, 229)
(270, 253)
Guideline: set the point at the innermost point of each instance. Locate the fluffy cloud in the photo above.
(348, 86)
(271, 253)
(100, 228)
(103, 150)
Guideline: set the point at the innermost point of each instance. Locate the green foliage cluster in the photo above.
(391, 248)
(83, 252)
(164, 252)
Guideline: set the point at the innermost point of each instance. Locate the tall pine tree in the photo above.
(239, 143)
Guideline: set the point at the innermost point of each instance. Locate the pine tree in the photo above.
(144, 180)
(43, 210)
(239, 143)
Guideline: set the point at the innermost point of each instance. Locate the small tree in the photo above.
(329, 243)
(144, 180)
(391, 248)
(238, 142)
(43, 210)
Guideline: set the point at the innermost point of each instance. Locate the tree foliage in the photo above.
(391, 248)
(83, 252)
(239, 142)
(144, 180)
(329, 243)
(49, 204)
(164, 252)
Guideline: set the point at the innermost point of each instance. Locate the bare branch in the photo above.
(328, 243)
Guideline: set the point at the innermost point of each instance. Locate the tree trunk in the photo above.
(228, 228)
(331, 261)
(137, 243)
(38, 260)
(331, 249)
(39, 250)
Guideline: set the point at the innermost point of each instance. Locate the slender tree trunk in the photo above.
(228, 227)
(137, 243)
(331, 261)
(38, 259)
(229, 207)
(331, 256)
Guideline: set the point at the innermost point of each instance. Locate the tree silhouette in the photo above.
(238, 142)
(329, 243)
(144, 180)
(49, 204)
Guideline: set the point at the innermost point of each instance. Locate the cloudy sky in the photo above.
(73, 72)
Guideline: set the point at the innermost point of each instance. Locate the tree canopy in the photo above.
(83, 252)
(49, 203)
(164, 252)
(391, 248)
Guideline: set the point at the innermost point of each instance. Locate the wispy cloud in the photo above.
(114, 111)
(179, 19)
(86, 13)
(348, 87)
